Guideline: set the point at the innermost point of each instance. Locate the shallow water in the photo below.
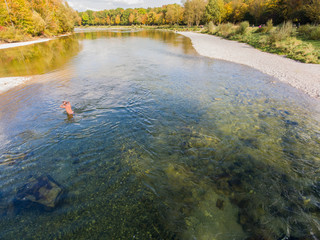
(164, 144)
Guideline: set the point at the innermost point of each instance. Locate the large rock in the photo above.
(42, 190)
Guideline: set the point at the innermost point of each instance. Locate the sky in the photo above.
(82, 5)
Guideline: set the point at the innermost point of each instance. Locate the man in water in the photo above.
(67, 106)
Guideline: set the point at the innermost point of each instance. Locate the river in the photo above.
(164, 143)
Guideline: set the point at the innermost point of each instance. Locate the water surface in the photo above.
(164, 144)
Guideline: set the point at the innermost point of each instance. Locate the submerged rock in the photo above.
(42, 190)
(220, 204)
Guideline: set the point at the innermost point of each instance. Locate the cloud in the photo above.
(82, 5)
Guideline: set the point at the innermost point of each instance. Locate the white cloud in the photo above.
(129, 2)
(82, 5)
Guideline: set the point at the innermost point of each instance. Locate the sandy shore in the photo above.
(11, 82)
(305, 77)
(19, 44)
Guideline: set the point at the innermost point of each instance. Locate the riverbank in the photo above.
(19, 44)
(25, 43)
(7, 83)
(305, 77)
(11, 82)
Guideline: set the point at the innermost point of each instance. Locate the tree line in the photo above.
(196, 12)
(52, 17)
(37, 17)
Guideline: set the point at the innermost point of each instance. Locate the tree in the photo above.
(236, 10)
(117, 20)
(194, 11)
(85, 19)
(151, 17)
(188, 13)
(313, 11)
(38, 24)
(131, 18)
(256, 9)
(215, 11)
(174, 14)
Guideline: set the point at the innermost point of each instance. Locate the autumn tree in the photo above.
(131, 18)
(194, 11)
(236, 10)
(174, 14)
(117, 20)
(215, 11)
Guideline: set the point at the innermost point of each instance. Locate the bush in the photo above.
(11, 34)
(225, 30)
(38, 25)
(242, 28)
(211, 27)
(309, 32)
(298, 50)
(282, 32)
(315, 33)
(267, 28)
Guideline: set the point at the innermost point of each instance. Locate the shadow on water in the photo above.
(164, 144)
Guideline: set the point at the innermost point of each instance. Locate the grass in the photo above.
(283, 39)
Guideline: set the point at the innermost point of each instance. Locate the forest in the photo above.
(196, 12)
(22, 19)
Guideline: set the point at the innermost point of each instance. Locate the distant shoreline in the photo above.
(305, 77)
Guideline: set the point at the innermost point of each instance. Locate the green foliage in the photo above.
(267, 28)
(226, 30)
(313, 10)
(309, 32)
(280, 40)
(283, 32)
(242, 28)
(194, 11)
(211, 27)
(215, 11)
(85, 19)
(298, 50)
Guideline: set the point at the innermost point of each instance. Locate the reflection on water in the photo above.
(164, 144)
(37, 58)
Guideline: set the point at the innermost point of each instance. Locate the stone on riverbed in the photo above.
(42, 190)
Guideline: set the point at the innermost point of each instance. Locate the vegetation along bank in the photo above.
(285, 27)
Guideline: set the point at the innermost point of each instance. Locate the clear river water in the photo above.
(164, 143)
